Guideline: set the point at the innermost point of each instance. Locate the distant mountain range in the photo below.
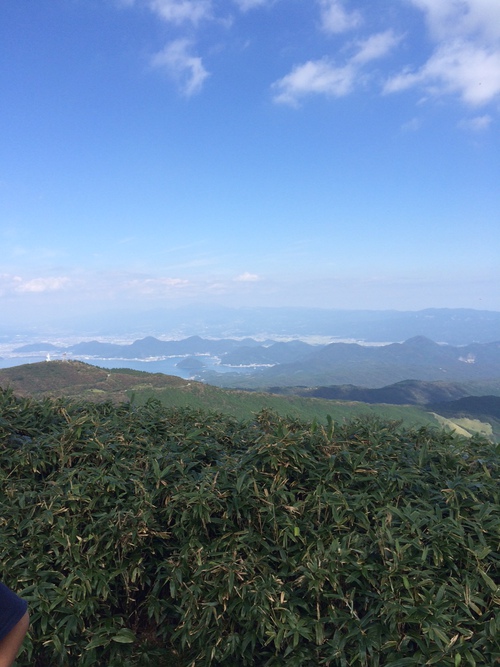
(341, 363)
(144, 348)
(295, 363)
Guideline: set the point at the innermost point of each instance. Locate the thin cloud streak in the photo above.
(247, 278)
(476, 124)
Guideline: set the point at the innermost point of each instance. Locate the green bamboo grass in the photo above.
(153, 536)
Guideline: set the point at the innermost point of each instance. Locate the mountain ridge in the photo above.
(295, 362)
(418, 358)
(81, 381)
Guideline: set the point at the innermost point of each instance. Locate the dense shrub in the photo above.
(147, 536)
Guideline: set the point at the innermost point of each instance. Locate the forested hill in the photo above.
(406, 392)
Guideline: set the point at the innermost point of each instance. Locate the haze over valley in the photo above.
(245, 339)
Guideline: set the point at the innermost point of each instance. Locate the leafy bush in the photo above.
(153, 536)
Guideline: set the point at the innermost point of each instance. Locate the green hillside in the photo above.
(77, 380)
(243, 405)
(80, 381)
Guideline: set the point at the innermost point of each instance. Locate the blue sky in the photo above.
(329, 153)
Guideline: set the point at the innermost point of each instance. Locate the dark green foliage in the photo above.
(153, 536)
(472, 406)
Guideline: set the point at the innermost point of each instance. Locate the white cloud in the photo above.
(466, 59)
(325, 77)
(182, 66)
(454, 18)
(460, 68)
(314, 76)
(477, 124)
(336, 19)
(181, 11)
(247, 278)
(376, 46)
(37, 285)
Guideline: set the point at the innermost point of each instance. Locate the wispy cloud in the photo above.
(335, 18)
(452, 18)
(476, 124)
(458, 67)
(325, 77)
(315, 76)
(38, 285)
(155, 286)
(247, 278)
(182, 66)
(466, 58)
(413, 125)
(181, 11)
(376, 46)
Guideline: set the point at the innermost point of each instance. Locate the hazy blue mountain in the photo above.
(408, 392)
(152, 347)
(449, 325)
(483, 408)
(340, 363)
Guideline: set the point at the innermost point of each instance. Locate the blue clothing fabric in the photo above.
(12, 609)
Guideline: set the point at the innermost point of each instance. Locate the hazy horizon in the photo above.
(458, 326)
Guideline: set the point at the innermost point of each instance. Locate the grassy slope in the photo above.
(243, 405)
(77, 380)
(366, 375)
(465, 426)
(73, 379)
